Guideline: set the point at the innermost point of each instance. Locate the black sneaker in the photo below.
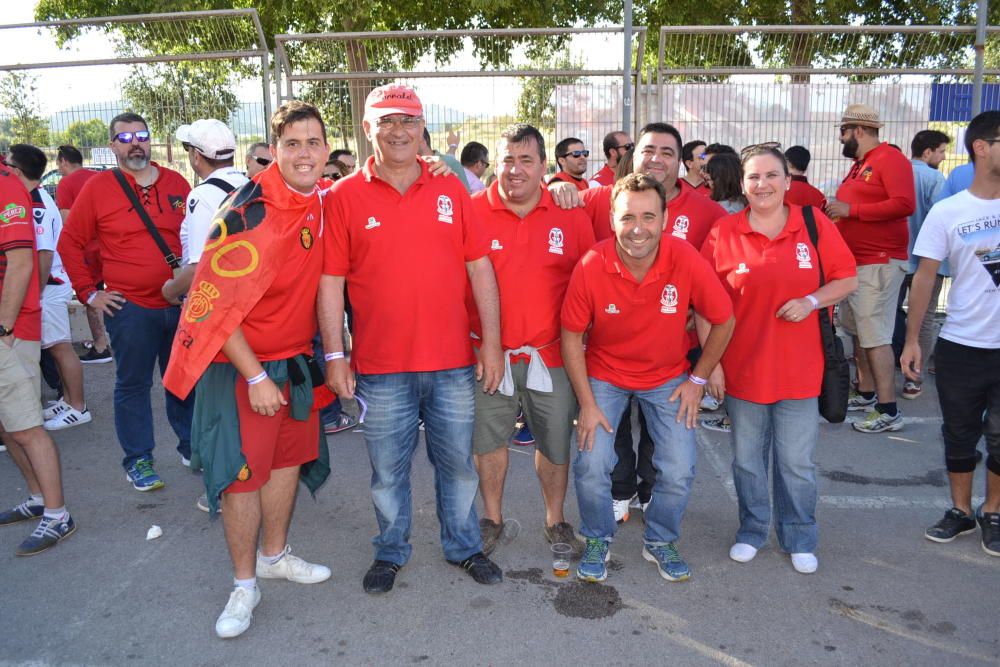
(481, 569)
(989, 523)
(380, 577)
(23, 512)
(94, 357)
(955, 523)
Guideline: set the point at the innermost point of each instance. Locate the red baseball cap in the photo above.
(390, 99)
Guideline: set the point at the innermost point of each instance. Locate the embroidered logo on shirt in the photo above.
(306, 238)
(11, 212)
(612, 309)
(496, 245)
(668, 300)
(373, 223)
(192, 205)
(742, 268)
(681, 225)
(176, 203)
(556, 241)
(867, 174)
(802, 254)
(445, 209)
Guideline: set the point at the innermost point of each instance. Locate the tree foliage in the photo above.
(85, 134)
(536, 104)
(18, 101)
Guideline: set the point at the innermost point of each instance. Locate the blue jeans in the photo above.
(396, 401)
(674, 455)
(139, 338)
(789, 429)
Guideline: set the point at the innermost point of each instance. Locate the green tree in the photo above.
(85, 134)
(535, 104)
(17, 97)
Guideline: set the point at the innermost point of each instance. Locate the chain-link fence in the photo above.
(566, 82)
(171, 68)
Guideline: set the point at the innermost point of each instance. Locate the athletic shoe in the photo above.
(638, 504)
(523, 437)
(68, 419)
(47, 534)
(989, 524)
(481, 569)
(856, 402)
(343, 423)
(380, 577)
(23, 512)
(954, 523)
(235, 618)
(741, 552)
(804, 563)
(94, 357)
(142, 475)
(185, 461)
(563, 532)
(876, 422)
(54, 408)
(912, 389)
(202, 504)
(593, 566)
(709, 403)
(621, 508)
(720, 424)
(291, 568)
(490, 532)
(668, 561)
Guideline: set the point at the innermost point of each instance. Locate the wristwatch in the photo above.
(4, 331)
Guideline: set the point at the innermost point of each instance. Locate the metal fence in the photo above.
(171, 68)
(567, 82)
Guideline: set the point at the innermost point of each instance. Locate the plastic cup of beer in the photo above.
(560, 559)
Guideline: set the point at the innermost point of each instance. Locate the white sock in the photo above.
(36, 499)
(249, 584)
(56, 513)
(271, 560)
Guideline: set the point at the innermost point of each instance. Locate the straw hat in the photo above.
(860, 114)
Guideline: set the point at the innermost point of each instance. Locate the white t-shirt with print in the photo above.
(48, 227)
(965, 230)
(202, 204)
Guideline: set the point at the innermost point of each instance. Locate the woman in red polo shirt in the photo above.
(773, 366)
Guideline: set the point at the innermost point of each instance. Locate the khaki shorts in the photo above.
(870, 312)
(549, 415)
(55, 315)
(20, 385)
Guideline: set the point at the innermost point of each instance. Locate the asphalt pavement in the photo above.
(883, 594)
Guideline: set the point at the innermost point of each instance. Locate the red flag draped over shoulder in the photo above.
(247, 246)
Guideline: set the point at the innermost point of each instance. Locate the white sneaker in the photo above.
(68, 418)
(54, 408)
(804, 563)
(235, 618)
(292, 568)
(742, 552)
(621, 510)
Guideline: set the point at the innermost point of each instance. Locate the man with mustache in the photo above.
(140, 321)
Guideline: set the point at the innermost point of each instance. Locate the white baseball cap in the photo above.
(209, 137)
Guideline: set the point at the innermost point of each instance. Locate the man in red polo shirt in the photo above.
(871, 210)
(571, 157)
(535, 245)
(693, 157)
(616, 146)
(800, 192)
(140, 321)
(28, 444)
(630, 297)
(69, 162)
(407, 245)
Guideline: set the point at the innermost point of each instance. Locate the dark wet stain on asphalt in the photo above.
(592, 601)
(932, 478)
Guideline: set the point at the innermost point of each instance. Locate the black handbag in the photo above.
(836, 386)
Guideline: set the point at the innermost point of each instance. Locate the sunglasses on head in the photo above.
(576, 154)
(262, 161)
(128, 137)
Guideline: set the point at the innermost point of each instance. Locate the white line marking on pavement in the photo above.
(674, 624)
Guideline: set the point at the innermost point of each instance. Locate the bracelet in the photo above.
(813, 300)
(333, 356)
(257, 379)
(90, 299)
(697, 380)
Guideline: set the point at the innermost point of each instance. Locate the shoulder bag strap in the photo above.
(171, 259)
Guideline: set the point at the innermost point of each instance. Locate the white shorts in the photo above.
(55, 315)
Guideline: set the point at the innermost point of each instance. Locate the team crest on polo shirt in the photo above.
(681, 226)
(176, 203)
(556, 241)
(372, 223)
(306, 238)
(445, 209)
(612, 309)
(668, 300)
(742, 268)
(496, 245)
(802, 254)
(867, 174)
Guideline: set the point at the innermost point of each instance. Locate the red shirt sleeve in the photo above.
(901, 200)
(79, 230)
(578, 308)
(336, 238)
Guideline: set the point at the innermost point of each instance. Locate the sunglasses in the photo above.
(576, 154)
(262, 161)
(760, 148)
(142, 136)
(845, 128)
(485, 164)
(627, 147)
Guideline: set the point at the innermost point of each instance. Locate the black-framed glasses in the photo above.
(408, 122)
(486, 165)
(627, 147)
(262, 161)
(142, 136)
(583, 153)
(845, 128)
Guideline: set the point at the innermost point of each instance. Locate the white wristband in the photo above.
(257, 379)
(813, 300)
(333, 356)
(697, 380)
(90, 299)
